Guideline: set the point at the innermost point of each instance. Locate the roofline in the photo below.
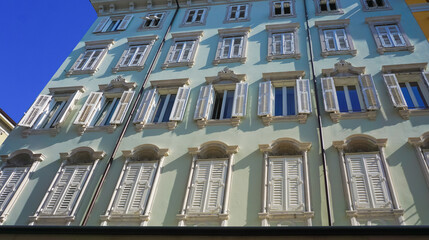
(8, 118)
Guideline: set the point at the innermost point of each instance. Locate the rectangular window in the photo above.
(390, 36)
(413, 95)
(285, 104)
(162, 110)
(50, 116)
(153, 20)
(336, 39)
(231, 47)
(238, 12)
(349, 99)
(89, 59)
(195, 16)
(182, 51)
(112, 24)
(375, 3)
(283, 43)
(222, 107)
(328, 5)
(134, 56)
(105, 112)
(282, 8)
(10, 179)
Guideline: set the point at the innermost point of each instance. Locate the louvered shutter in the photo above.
(125, 21)
(146, 105)
(10, 179)
(35, 110)
(425, 76)
(329, 95)
(204, 102)
(180, 103)
(88, 109)
(358, 182)
(384, 36)
(198, 191)
(396, 35)
(265, 99)
(294, 184)
(71, 102)
(369, 92)
(342, 39)
(329, 40)
(276, 185)
(123, 196)
(240, 100)
(303, 95)
(123, 105)
(377, 181)
(216, 186)
(289, 46)
(101, 24)
(277, 44)
(395, 92)
(187, 52)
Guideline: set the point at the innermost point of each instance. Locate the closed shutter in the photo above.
(226, 48)
(294, 184)
(329, 95)
(329, 40)
(121, 109)
(369, 92)
(358, 181)
(425, 76)
(303, 95)
(145, 107)
(395, 92)
(125, 21)
(10, 179)
(342, 39)
(240, 100)
(277, 44)
(101, 24)
(396, 35)
(384, 36)
(35, 110)
(237, 47)
(187, 52)
(71, 102)
(175, 53)
(87, 112)
(265, 99)
(289, 45)
(276, 185)
(377, 181)
(180, 103)
(199, 187)
(204, 102)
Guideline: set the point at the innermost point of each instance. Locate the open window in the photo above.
(163, 105)
(113, 24)
(335, 38)
(283, 41)
(183, 49)
(349, 93)
(370, 195)
(49, 112)
(106, 109)
(153, 20)
(222, 100)
(281, 9)
(232, 45)
(61, 201)
(133, 196)
(325, 7)
(207, 194)
(375, 5)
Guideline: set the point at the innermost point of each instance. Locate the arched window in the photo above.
(133, 196)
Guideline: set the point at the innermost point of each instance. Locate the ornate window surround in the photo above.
(283, 28)
(232, 32)
(421, 147)
(178, 37)
(335, 24)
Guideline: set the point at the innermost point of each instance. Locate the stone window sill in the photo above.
(336, 116)
(283, 56)
(124, 69)
(375, 212)
(203, 216)
(286, 215)
(108, 128)
(301, 118)
(177, 64)
(234, 121)
(81, 72)
(124, 217)
(327, 13)
(382, 50)
(163, 125)
(406, 113)
(51, 131)
(229, 60)
(352, 52)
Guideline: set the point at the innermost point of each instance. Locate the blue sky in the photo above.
(36, 37)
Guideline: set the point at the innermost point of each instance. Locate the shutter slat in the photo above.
(101, 24)
(425, 76)
(369, 92)
(204, 102)
(395, 92)
(303, 95)
(125, 21)
(145, 107)
(57, 191)
(216, 186)
(199, 186)
(122, 108)
(265, 99)
(180, 103)
(276, 188)
(35, 110)
(295, 191)
(89, 108)
(143, 187)
(379, 189)
(240, 100)
(329, 95)
(10, 180)
(359, 184)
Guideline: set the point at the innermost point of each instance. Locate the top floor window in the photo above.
(195, 17)
(374, 5)
(152, 21)
(238, 13)
(282, 9)
(112, 24)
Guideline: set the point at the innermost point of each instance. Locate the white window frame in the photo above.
(319, 11)
(151, 17)
(334, 26)
(145, 42)
(187, 39)
(236, 18)
(365, 6)
(122, 23)
(289, 28)
(282, 15)
(422, 152)
(233, 33)
(194, 21)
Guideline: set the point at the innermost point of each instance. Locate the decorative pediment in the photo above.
(343, 69)
(119, 84)
(360, 143)
(22, 157)
(82, 155)
(285, 146)
(226, 76)
(422, 141)
(213, 149)
(145, 152)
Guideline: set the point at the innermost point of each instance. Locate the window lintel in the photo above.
(232, 31)
(142, 40)
(176, 83)
(226, 75)
(343, 144)
(420, 141)
(390, 18)
(73, 157)
(10, 158)
(285, 26)
(159, 152)
(343, 68)
(99, 44)
(117, 83)
(196, 34)
(228, 149)
(328, 23)
(399, 68)
(66, 90)
(270, 148)
(290, 75)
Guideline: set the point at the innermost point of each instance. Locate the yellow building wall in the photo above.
(421, 17)
(415, 1)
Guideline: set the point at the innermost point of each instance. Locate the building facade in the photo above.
(229, 113)
(420, 10)
(7, 124)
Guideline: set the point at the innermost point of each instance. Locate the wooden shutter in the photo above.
(180, 103)
(277, 44)
(342, 39)
(10, 179)
(204, 102)
(101, 24)
(240, 100)
(187, 51)
(276, 185)
(384, 36)
(303, 95)
(265, 99)
(369, 92)
(329, 95)
(122, 108)
(71, 102)
(125, 21)
(175, 53)
(395, 91)
(237, 50)
(294, 184)
(199, 187)
(35, 110)
(146, 105)
(88, 109)
(425, 76)
(358, 181)
(289, 45)
(396, 35)
(377, 182)
(329, 40)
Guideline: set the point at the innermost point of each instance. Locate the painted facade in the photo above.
(202, 115)
(6, 125)
(420, 9)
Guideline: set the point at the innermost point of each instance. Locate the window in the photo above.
(164, 105)
(183, 49)
(351, 94)
(421, 147)
(222, 101)
(14, 175)
(282, 9)
(88, 62)
(104, 110)
(49, 112)
(209, 184)
(134, 58)
(59, 206)
(283, 41)
(374, 5)
(328, 7)
(388, 34)
(134, 192)
(232, 45)
(194, 17)
(152, 21)
(334, 37)
(285, 182)
(284, 97)
(237, 13)
(112, 24)
(367, 177)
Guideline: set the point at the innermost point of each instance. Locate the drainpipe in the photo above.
(128, 119)
(319, 119)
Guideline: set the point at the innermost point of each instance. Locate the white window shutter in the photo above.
(377, 181)
(294, 184)
(204, 102)
(10, 179)
(395, 92)
(369, 92)
(122, 108)
(240, 99)
(276, 185)
(329, 40)
(425, 76)
(265, 99)
(426, 155)
(180, 103)
(342, 39)
(125, 21)
(123, 195)
(71, 102)
(303, 95)
(289, 45)
(35, 110)
(101, 24)
(384, 36)
(187, 51)
(146, 105)
(175, 53)
(358, 181)
(88, 109)
(396, 35)
(198, 191)
(277, 44)
(329, 95)
(216, 186)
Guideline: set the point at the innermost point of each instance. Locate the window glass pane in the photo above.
(341, 96)
(354, 99)
(407, 95)
(55, 109)
(278, 101)
(217, 107)
(277, 8)
(418, 95)
(290, 100)
(228, 104)
(159, 108)
(112, 110)
(167, 113)
(103, 113)
(190, 16)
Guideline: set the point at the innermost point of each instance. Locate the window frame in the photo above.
(335, 25)
(142, 26)
(242, 32)
(194, 37)
(283, 29)
(366, 8)
(246, 17)
(421, 148)
(319, 11)
(292, 13)
(104, 23)
(202, 22)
